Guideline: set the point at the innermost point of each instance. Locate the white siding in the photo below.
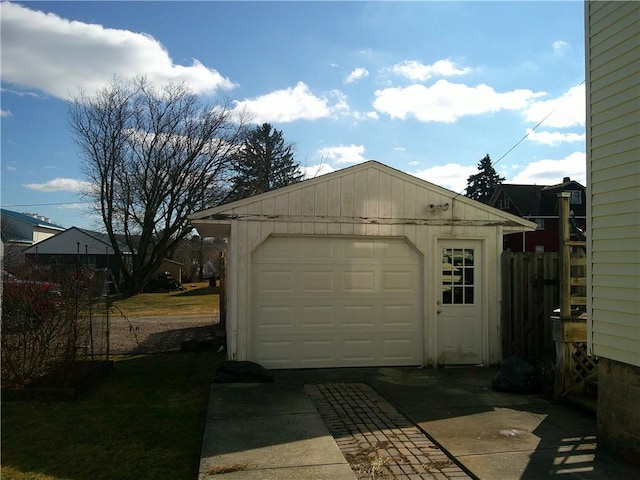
(613, 170)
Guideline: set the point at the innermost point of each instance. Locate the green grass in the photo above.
(143, 421)
(196, 299)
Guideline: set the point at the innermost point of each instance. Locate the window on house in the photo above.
(576, 197)
(503, 202)
(539, 248)
(539, 223)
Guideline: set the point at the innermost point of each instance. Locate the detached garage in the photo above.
(366, 266)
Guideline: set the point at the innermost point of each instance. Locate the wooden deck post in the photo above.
(565, 255)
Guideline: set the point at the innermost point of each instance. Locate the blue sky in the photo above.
(428, 88)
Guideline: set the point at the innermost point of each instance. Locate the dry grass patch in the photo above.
(196, 299)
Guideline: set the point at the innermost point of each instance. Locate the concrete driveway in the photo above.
(284, 429)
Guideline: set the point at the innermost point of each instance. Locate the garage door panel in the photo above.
(313, 281)
(399, 349)
(343, 302)
(318, 248)
(359, 281)
(276, 316)
(358, 316)
(278, 282)
(399, 281)
(398, 316)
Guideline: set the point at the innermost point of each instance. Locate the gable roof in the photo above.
(68, 242)
(535, 200)
(426, 195)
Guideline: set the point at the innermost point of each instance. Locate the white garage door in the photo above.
(335, 302)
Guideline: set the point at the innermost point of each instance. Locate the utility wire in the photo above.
(42, 204)
(533, 129)
(529, 132)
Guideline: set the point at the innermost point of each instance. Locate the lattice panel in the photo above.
(582, 365)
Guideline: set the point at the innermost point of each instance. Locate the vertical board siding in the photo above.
(613, 125)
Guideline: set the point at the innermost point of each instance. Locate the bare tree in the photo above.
(152, 156)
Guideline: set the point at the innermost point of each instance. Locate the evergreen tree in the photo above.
(265, 162)
(482, 185)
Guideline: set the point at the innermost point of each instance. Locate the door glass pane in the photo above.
(458, 276)
(468, 295)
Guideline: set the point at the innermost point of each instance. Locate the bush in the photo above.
(41, 320)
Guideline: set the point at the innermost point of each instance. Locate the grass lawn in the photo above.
(143, 421)
(196, 299)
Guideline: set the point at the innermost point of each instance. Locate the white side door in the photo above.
(459, 316)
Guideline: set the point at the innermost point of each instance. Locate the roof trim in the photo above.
(210, 213)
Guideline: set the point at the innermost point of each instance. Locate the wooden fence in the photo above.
(530, 293)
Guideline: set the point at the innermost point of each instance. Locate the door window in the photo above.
(458, 279)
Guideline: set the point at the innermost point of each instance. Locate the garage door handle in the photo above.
(439, 311)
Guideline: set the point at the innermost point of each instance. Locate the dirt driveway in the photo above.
(157, 334)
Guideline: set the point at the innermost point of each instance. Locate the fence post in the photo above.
(565, 256)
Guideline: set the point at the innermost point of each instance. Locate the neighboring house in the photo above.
(171, 266)
(613, 216)
(76, 247)
(21, 230)
(539, 203)
(365, 266)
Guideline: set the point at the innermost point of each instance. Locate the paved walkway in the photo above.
(376, 440)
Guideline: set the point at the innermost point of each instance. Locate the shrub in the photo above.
(41, 320)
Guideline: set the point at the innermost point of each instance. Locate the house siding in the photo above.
(367, 202)
(613, 149)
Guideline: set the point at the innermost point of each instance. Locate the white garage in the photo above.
(336, 302)
(365, 266)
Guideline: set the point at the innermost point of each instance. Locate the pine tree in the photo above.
(265, 162)
(482, 185)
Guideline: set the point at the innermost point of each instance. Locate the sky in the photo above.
(428, 88)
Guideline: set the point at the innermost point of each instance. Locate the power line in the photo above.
(533, 129)
(43, 204)
(530, 131)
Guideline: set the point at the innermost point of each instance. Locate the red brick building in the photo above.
(539, 203)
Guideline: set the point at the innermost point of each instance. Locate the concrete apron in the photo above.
(498, 435)
(274, 431)
(267, 431)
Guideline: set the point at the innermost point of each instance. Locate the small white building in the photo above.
(365, 266)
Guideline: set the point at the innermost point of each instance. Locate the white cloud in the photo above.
(5, 113)
(10, 168)
(415, 70)
(551, 172)
(446, 102)
(452, 176)
(358, 74)
(341, 106)
(343, 154)
(57, 56)
(560, 46)
(555, 138)
(313, 171)
(60, 185)
(568, 110)
(288, 105)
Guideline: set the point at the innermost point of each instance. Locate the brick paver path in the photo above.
(376, 440)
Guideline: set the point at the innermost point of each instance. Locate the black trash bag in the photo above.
(233, 371)
(516, 375)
